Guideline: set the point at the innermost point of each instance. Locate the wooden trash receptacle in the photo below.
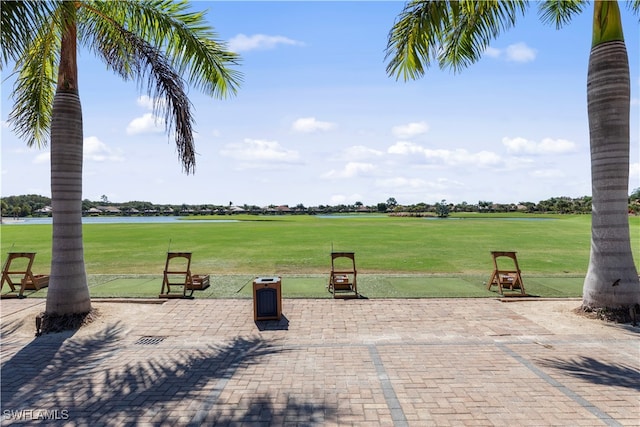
(267, 298)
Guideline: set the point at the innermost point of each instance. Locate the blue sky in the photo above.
(318, 121)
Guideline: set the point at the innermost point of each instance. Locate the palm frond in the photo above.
(188, 41)
(34, 88)
(160, 45)
(560, 12)
(19, 21)
(133, 58)
(414, 38)
(471, 28)
(453, 33)
(634, 6)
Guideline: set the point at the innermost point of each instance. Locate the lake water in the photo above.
(116, 220)
(175, 219)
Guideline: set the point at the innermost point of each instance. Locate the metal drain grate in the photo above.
(149, 340)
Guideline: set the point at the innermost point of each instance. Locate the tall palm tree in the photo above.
(161, 44)
(456, 33)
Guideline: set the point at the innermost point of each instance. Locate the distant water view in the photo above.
(115, 220)
(178, 219)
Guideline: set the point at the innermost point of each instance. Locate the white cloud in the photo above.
(402, 182)
(517, 52)
(97, 151)
(634, 170)
(243, 43)
(520, 52)
(310, 124)
(455, 157)
(255, 152)
(405, 147)
(360, 152)
(145, 101)
(519, 145)
(547, 174)
(410, 129)
(44, 157)
(492, 52)
(148, 123)
(461, 156)
(350, 170)
(420, 190)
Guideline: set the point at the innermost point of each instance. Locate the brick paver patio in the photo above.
(427, 362)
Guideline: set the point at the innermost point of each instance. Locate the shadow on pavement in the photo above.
(597, 372)
(87, 382)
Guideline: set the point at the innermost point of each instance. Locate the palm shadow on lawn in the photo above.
(55, 372)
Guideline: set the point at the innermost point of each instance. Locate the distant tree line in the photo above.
(35, 205)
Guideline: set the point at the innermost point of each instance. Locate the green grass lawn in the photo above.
(314, 286)
(396, 257)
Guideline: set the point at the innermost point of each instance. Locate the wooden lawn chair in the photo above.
(177, 272)
(343, 277)
(28, 280)
(506, 278)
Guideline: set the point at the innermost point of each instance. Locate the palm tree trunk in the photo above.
(68, 290)
(612, 278)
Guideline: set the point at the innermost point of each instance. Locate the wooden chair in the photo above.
(506, 278)
(28, 280)
(343, 277)
(177, 272)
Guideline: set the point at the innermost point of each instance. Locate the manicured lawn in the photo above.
(396, 257)
(314, 286)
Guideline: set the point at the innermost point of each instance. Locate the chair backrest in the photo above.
(507, 254)
(349, 255)
(182, 263)
(23, 266)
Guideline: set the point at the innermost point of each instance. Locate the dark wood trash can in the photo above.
(267, 298)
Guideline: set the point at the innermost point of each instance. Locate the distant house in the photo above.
(47, 210)
(109, 210)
